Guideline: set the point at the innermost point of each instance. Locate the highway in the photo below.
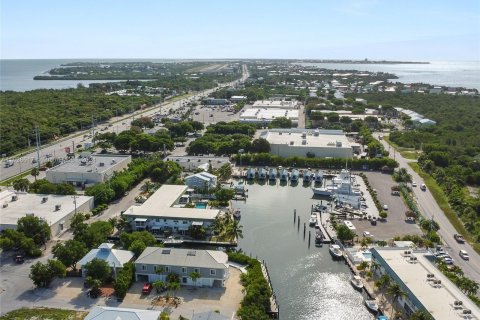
(430, 209)
(116, 124)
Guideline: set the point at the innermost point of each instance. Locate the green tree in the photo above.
(159, 286)
(35, 172)
(95, 234)
(127, 239)
(137, 247)
(233, 230)
(42, 274)
(35, 228)
(260, 145)
(344, 233)
(70, 252)
(194, 276)
(223, 196)
(21, 185)
(101, 192)
(396, 292)
(98, 269)
(174, 286)
(420, 315)
(281, 122)
(225, 172)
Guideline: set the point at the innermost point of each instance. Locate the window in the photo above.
(155, 268)
(144, 267)
(196, 270)
(167, 269)
(185, 222)
(164, 220)
(184, 270)
(184, 279)
(157, 220)
(213, 272)
(175, 221)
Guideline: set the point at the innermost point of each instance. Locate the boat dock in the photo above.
(274, 309)
(325, 224)
(326, 236)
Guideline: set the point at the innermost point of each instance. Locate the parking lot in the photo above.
(395, 223)
(214, 114)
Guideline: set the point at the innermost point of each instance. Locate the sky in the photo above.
(342, 29)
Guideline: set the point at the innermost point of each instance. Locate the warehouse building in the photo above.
(425, 286)
(311, 143)
(56, 210)
(265, 116)
(88, 170)
(277, 104)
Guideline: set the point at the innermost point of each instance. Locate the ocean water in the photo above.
(17, 75)
(445, 73)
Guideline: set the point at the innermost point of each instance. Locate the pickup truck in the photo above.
(459, 238)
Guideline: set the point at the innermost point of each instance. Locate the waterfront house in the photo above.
(114, 257)
(202, 181)
(163, 213)
(156, 263)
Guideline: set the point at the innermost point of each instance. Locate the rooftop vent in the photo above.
(316, 133)
(304, 141)
(339, 144)
(113, 161)
(58, 207)
(166, 251)
(304, 134)
(5, 204)
(291, 143)
(101, 164)
(191, 253)
(14, 198)
(44, 199)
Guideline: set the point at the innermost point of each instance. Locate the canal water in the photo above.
(307, 282)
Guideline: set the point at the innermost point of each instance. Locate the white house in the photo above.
(112, 313)
(114, 257)
(201, 180)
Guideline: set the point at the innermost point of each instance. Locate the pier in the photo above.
(326, 236)
(274, 311)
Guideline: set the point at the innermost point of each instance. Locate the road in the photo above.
(116, 124)
(430, 209)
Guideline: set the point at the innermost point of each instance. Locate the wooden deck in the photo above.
(326, 236)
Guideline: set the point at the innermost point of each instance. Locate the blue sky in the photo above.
(354, 29)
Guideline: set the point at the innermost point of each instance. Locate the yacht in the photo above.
(272, 174)
(295, 175)
(318, 238)
(307, 176)
(356, 282)
(335, 251)
(262, 174)
(251, 173)
(236, 213)
(322, 191)
(318, 178)
(283, 175)
(372, 305)
(313, 220)
(341, 184)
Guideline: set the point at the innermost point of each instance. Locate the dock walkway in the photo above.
(326, 235)
(326, 225)
(274, 309)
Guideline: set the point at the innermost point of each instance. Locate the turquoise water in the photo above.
(201, 205)
(307, 282)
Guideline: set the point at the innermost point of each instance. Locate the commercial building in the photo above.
(156, 263)
(112, 313)
(238, 98)
(90, 169)
(114, 257)
(202, 180)
(417, 119)
(425, 286)
(164, 210)
(191, 163)
(277, 104)
(312, 143)
(56, 210)
(265, 116)
(213, 101)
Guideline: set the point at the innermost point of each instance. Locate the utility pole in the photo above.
(37, 138)
(75, 202)
(93, 129)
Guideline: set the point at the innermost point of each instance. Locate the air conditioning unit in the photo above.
(44, 199)
(14, 198)
(101, 164)
(58, 207)
(5, 204)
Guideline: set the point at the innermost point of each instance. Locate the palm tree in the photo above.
(174, 285)
(233, 231)
(420, 315)
(363, 266)
(364, 243)
(21, 185)
(396, 291)
(194, 276)
(147, 186)
(35, 172)
(374, 266)
(159, 285)
(383, 283)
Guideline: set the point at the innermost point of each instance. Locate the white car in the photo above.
(414, 184)
(367, 234)
(385, 207)
(464, 255)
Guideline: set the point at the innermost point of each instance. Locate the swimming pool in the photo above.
(201, 205)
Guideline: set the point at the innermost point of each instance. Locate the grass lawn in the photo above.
(442, 201)
(9, 181)
(407, 153)
(44, 314)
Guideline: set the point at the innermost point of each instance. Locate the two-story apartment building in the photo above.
(162, 211)
(201, 180)
(156, 263)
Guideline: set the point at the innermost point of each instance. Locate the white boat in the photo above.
(283, 175)
(313, 220)
(318, 177)
(322, 191)
(356, 282)
(294, 176)
(318, 238)
(372, 305)
(335, 251)
(307, 176)
(272, 174)
(236, 213)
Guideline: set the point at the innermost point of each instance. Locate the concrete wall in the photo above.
(57, 227)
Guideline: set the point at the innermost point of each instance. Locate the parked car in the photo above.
(385, 207)
(464, 255)
(374, 221)
(367, 234)
(459, 238)
(448, 260)
(147, 287)
(19, 259)
(414, 184)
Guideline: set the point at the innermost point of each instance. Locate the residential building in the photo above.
(56, 210)
(114, 257)
(163, 212)
(202, 180)
(425, 286)
(88, 170)
(191, 163)
(156, 263)
(112, 313)
(303, 143)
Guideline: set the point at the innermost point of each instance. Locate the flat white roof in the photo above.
(160, 205)
(275, 104)
(325, 139)
(269, 114)
(94, 163)
(437, 300)
(28, 203)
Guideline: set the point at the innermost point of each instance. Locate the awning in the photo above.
(140, 220)
(197, 223)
